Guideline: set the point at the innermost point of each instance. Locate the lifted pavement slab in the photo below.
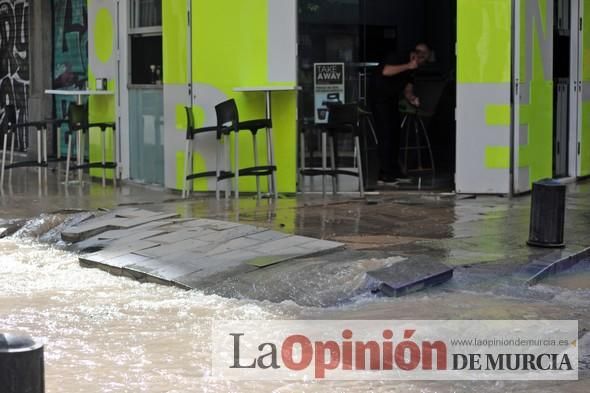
(553, 263)
(187, 253)
(411, 275)
(120, 219)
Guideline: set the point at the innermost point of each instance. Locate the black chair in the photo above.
(343, 119)
(10, 127)
(228, 122)
(79, 125)
(189, 175)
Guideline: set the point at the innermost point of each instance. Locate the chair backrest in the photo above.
(227, 117)
(430, 91)
(190, 118)
(343, 115)
(77, 117)
(190, 122)
(10, 115)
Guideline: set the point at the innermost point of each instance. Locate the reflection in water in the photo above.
(112, 334)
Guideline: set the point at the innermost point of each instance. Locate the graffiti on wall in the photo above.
(70, 51)
(14, 62)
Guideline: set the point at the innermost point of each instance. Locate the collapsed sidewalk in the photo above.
(482, 238)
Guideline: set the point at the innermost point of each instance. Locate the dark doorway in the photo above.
(561, 83)
(361, 34)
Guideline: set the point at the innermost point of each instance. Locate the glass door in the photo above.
(146, 105)
(329, 32)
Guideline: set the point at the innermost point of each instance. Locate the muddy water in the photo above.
(112, 334)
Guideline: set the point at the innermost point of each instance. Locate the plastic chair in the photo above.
(78, 124)
(343, 119)
(228, 121)
(9, 128)
(189, 175)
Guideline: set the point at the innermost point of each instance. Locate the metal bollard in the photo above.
(21, 364)
(547, 214)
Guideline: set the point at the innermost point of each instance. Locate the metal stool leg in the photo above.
(418, 144)
(406, 148)
(301, 162)
(357, 148)
(324, 162)
(256, 165)
(217, 170)
(186, 161)
(12, 137)
(58, 133)
(237, 165)
(39, 157)
(270, 141)
(115, 160)
(333, 166)
(427, 138)
(227, 159)
(79, 153)
(4, 146)
(70, 135)
(103, 142)
(45, 163)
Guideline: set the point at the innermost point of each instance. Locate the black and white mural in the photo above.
(14, 62)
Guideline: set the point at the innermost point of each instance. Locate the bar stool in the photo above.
(416, 139)
(343, 119)
(228, 122)
(78, 124)
(189, 175)
(9, 128)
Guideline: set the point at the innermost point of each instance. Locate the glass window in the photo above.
(145, 42)
(145, 13)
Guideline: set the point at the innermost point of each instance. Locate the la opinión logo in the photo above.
(395, 350)
(298, 352)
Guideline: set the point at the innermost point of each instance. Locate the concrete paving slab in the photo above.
(232, 233)
(269, 260)
(267, 236)
(287, 242)
(110, 253)
(411, 275)
(551, 264)
(149, 246)
(124, 218)
(174, 248)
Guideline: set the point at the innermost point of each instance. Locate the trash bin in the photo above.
(21, 364)
(547, 214)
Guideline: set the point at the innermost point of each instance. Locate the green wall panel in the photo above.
(537, 114)
(229, 51)
(174, 38)
(483, 44)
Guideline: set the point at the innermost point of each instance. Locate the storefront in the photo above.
(515, 108)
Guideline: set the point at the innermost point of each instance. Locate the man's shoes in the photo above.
(387, 179)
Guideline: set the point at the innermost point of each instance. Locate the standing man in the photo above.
(395, 80)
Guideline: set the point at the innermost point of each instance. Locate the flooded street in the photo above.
(113, 334)
(106, 333)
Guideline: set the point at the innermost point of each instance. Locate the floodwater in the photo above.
(112, 334)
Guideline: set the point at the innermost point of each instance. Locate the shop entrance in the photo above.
(362, 34)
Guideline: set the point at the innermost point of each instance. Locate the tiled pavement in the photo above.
(188, 253)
